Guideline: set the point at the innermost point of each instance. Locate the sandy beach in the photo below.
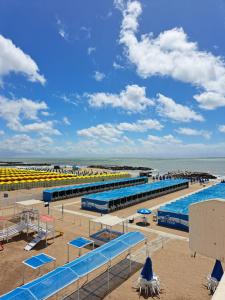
(182, 277)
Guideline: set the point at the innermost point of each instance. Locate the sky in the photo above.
(138, 78)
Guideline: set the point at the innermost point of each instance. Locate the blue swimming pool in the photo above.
(175, 214)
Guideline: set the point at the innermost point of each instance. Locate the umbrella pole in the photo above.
(68, 253)
(130, 260)
(147, 252)
(46, 235)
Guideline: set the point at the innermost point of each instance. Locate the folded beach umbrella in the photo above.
(147, 272)
(217, 272)
(144, 211)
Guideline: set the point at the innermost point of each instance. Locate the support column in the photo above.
(78, 290)
(23, 274)
(108, 277)
(130, 260)
(68, 252)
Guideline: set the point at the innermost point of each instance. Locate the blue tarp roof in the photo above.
(133, 190)
(38, 261)
(56, 280)
(80, 242)
(69, 187)
(182, 205)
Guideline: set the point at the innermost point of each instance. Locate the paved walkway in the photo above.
(150, 230)
(160, 233)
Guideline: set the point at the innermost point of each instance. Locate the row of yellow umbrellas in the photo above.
(62, 179)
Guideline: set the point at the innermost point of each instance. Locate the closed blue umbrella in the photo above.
(147, 272)
(217, 272)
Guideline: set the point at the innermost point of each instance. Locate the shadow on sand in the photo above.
(97, 288)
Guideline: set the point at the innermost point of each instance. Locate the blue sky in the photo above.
(112, 78)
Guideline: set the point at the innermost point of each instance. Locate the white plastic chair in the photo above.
(151, 287)
(154, 287)
(143, 287)
(212, 284)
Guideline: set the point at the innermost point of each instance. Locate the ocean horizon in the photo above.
(215, 166)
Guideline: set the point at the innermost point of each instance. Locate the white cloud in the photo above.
(24, 144)
(194, 132)
(132, 99)
(140, 125)
(90, 50)
(105, 132)
(172, 54)
(168, 108)
(45, 113)
(13, 59)
(112, 133)
(86, 31)
(117, 66)
(210, 100)
(62, 33)
(119, 4)
(62, 29)
(98, 76)
(169, 148)
(15, 112)
(166, 139)
(222, 128)
(66, 121)
(70, 99)
(2, 132)
(40, 127)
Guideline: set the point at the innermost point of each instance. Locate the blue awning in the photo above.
(80, 242)
(58, 279)
(38, 261)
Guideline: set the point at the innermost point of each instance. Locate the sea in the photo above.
(215, 166)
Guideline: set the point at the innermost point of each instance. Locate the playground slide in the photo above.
(35, 241)
(11, 231)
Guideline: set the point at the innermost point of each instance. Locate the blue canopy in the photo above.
(80, 242)
(144, 211)
(147, 272)
(217, 272)
(49, 284)
(38, 261)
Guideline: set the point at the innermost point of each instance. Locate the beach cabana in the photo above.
(32, 203)
(106, 233)
(79, 243)
(66, 192)
(108, 201)
(37, 261)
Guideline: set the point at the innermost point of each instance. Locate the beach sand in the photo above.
(182, 277)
